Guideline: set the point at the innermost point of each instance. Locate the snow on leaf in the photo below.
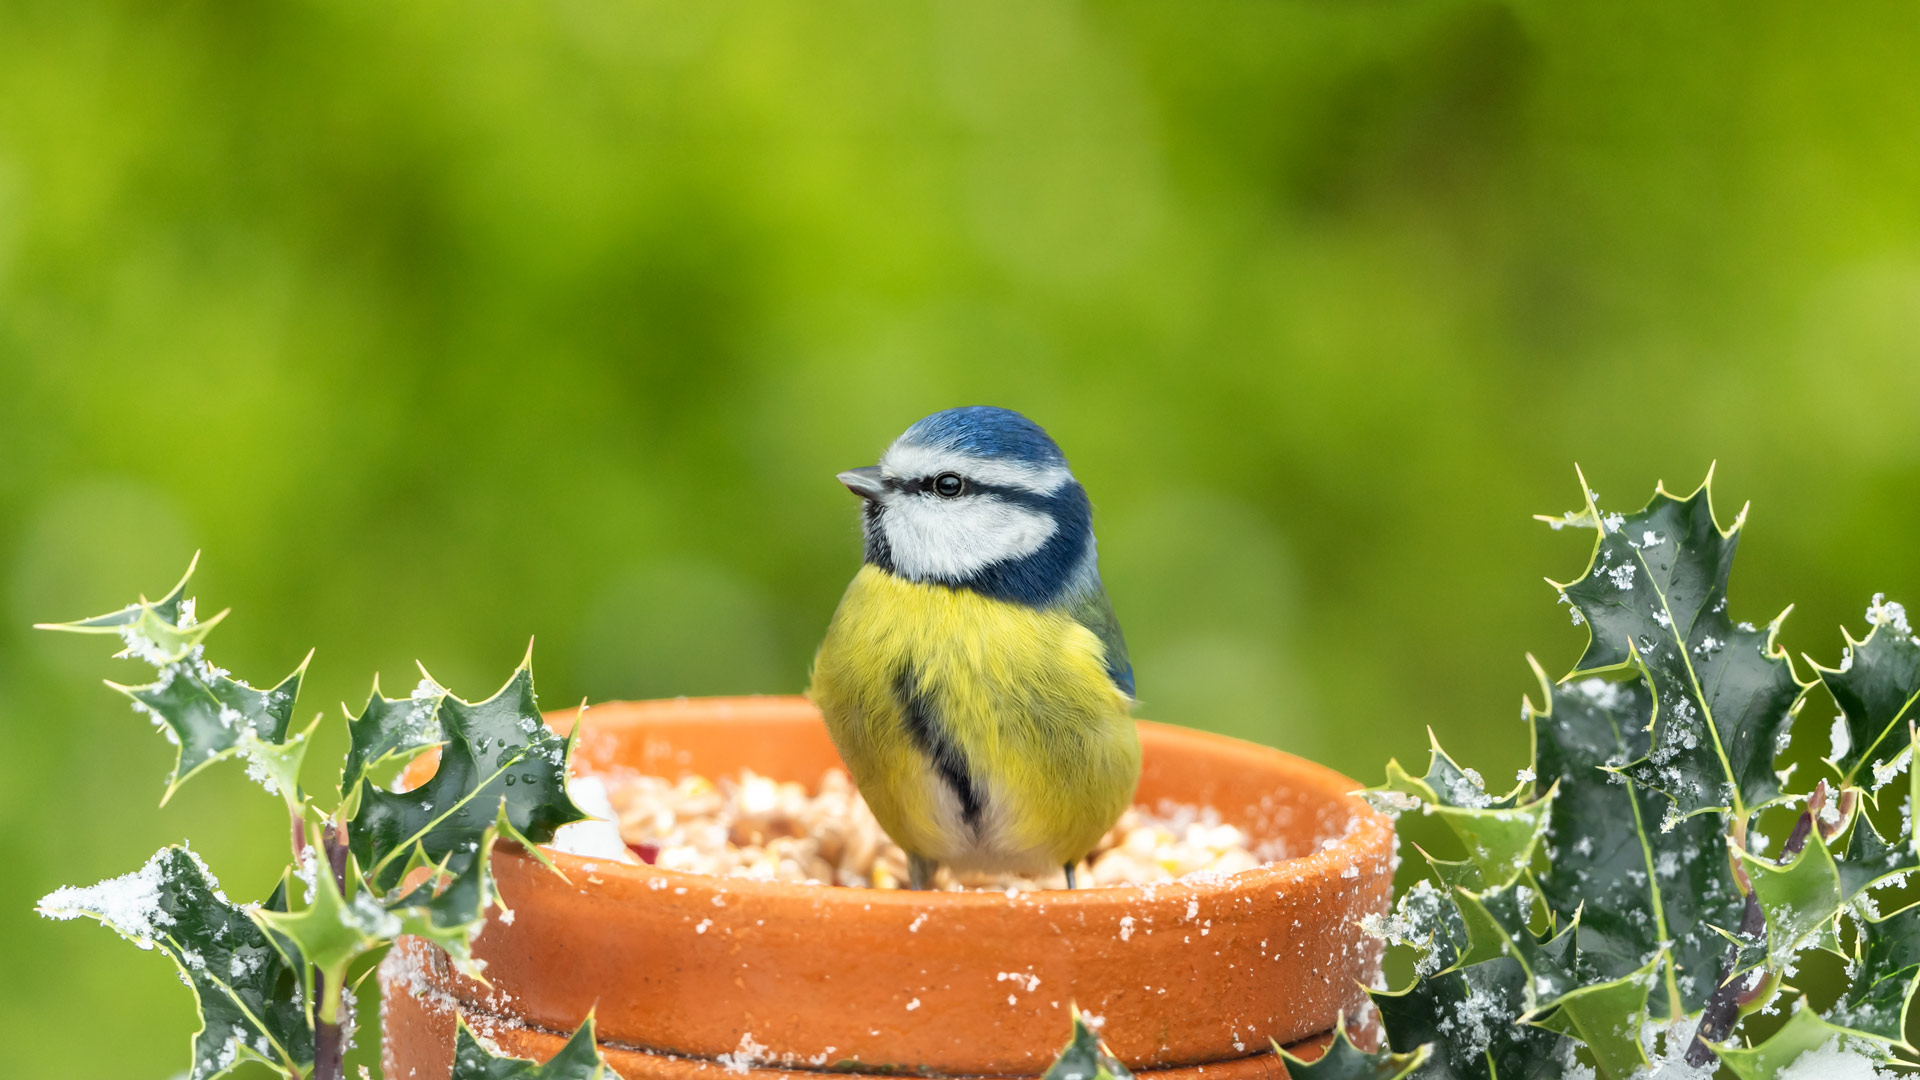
(1876, 692)
(335, 928)
(1608, 1017)
(500, 764)
(197, 705)
(1497, 925)
(1805, 1048)
(579, 1059)
(449, 905)
(1870, 860)
(1655, 607)
(1636, 883)
(1426, 920)
(246, 987)
(390, 729)
(1802, 899)
(1472, 1017)
(1499, 832)
(159, 632)
(1561, 991)
(1886, 967)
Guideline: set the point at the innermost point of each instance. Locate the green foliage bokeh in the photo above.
(440, 327)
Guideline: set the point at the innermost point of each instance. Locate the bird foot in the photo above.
(920, 872)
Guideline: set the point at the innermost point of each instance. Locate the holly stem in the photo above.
(1723, 1008)
(329, 1042)
(329, 1048)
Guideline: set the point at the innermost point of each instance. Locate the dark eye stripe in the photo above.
(923, 485)
(931, 484)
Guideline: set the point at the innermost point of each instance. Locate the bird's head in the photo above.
(976, 497)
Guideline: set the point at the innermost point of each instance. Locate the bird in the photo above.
(974, 677)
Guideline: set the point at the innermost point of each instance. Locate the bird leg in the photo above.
(1069, 870)
(920, 871)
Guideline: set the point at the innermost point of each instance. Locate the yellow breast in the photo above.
(928, 690)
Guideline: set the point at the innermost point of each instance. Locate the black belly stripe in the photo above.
(932, 740)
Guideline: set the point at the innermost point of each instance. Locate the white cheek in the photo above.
(949, 539)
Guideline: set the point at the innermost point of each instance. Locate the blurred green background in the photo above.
(439, 327)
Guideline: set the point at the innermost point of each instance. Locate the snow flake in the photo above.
(1884, 612)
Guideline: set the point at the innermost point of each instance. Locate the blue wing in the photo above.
(1092, 609)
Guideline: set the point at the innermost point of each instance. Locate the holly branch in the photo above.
(274, 979)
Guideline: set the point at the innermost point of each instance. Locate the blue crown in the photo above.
(987, 431)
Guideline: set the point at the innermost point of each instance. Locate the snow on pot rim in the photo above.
(744, 971)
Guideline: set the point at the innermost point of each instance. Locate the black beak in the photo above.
(866, 482)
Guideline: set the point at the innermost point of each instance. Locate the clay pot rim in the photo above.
(1367, 829)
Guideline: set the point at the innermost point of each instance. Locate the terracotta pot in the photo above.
(686, 970)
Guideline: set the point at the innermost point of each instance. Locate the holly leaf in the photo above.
(1875, 686)
(337, 927)
(247, 989)
(1085, 1058)
(1426, 921)
(1472, 1017)
(1801, 899)
(1871, 860)
(579, 1059)
(1803, 1033)
(1607, 1016)
(200, 709)
(1655, 597)
(1344, 1061)
(1497, 925)
(1638, 879)
(392, 729)
(1561, 991)
(276, 766)
(159, 632)
(449, 905)
(1886, 966)
(500, 762)
(1499, 832)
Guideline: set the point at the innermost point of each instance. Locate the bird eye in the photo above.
(947, 485)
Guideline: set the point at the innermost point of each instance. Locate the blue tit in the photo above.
(974, 677)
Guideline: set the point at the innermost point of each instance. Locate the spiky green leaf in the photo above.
(1802, 899)
(391, 729)
(1472, 1017)
(499, 759)
(1886, 968)
(1655, 596)
(1804, 1032)
(1871, 860)
(1426, 920)
(1497, 925)
(1639, 878)
(1500, 832)
(449, 904)
(1875, 686)
(247, 990)
(1085, 1058)
(1344, 1061)
(157, 631)
(201, 710)
(1562, 992)
(579, 1059)
(1607, 1016)
(337, 927)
